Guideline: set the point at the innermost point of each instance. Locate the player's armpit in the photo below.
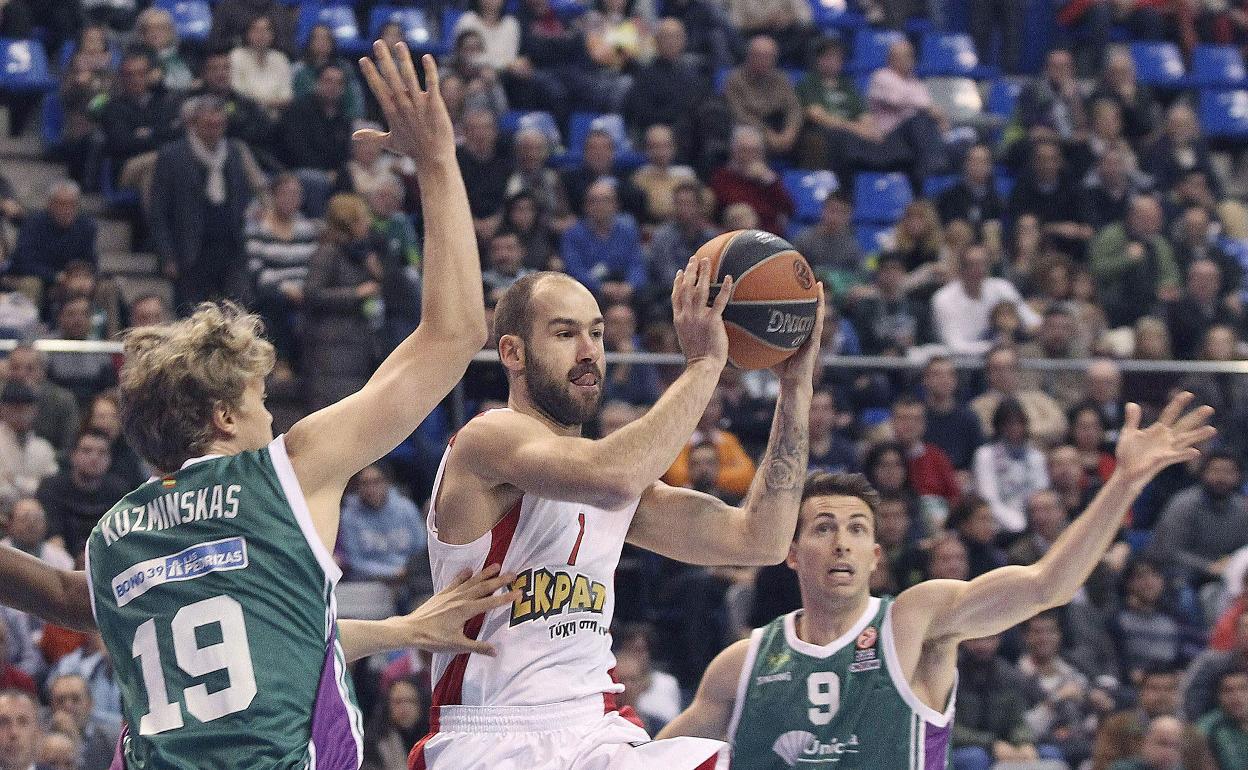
(58, 596)
(695, 528)
(711, 710)
(939, 611)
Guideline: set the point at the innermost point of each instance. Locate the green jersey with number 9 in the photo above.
(844, 705)
(215, 598)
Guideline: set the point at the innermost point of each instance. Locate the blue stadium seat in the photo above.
(51, 122)
(115, 197)
(191, 18)
(1217, 66)
(935, 185)
(809, 189)
(871, 49)
(512, 121)
(1003, 97)
(881, 198)
(339, 18)
(450, 17)
(720, 79)
(568, 10)
(24, 67)
(950, 55)
(417, 31)
(1224, 114)
(582, 123)
(1004, 182)
(70, 47)
(1158, 64)
(873, 238)
(830, 15)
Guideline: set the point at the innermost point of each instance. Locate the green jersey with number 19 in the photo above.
(843, 706)
(215, 598)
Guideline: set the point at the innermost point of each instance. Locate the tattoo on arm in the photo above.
(784, 465)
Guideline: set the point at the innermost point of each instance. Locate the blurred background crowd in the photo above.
(980, 184)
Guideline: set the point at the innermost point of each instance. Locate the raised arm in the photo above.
(331, 445)
(951, 610)
(33, 586)
(435, 626)
(699, 529)
(711, 710)
(504, 448)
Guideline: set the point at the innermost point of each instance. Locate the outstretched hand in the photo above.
(1173, 438)
(438, 624)
(420, 126)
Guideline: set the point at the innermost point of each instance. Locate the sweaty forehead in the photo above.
(557, 297)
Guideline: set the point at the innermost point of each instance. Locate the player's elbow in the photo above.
(1051, 586)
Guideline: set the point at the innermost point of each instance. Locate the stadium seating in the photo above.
(513, 120)
(192, 19)
(950, 55)
(1224, 114)
(1217, 66)
(1158, 64)
(835, 16)
(871, 49)
(881, 198)
(24, 67)
(450, 17)
(51, 122)
(117, 198)
(809, 189)
(581, 123)
(873, 238)
(935, 185)
(1003, 97)
(417, 31)
(341, 21)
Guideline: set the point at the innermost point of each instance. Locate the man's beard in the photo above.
(551, 395)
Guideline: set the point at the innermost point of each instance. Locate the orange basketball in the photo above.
(773, 306)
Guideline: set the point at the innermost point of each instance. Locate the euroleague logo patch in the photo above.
(867, 638)
(801, 271)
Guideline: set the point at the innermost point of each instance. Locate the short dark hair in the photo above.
(1227, 674)
(1159, 668)
(1008, 409)
(514, 313)
(1054, 615)
(824, 484)
(965, 508)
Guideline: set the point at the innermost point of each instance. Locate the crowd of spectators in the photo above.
(1095, 224)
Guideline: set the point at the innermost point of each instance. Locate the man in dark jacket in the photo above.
(138, 118)
(199, 199)
(246, 120)
(316, 137)
(974, 198)
(668, 90)
(53, 238)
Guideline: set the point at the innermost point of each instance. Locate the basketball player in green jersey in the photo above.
(213, 585)
(855, 682)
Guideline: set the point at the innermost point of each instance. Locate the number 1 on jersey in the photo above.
(580, 517)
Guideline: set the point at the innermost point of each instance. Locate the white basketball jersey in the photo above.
(554, 643)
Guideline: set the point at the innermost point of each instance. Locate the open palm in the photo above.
(1144, 452)
(420, 126)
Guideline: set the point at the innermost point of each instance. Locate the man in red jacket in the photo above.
(931, 472)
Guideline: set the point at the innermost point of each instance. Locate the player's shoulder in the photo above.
(495, 425)
(724, 672)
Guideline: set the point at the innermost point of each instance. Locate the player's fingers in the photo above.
(388, 70)
(678, 292)
(487, 572)
(725, 295)
(816, 332)
(430, 65)
(1198, 416)
(1196, 436)
(702, 286)
(480, 648)
(480, 588)
(407, 69)
(1131, 417)
(377, 84)
(1175, 408)
(478, 606)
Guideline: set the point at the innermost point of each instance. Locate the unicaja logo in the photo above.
(798, 747)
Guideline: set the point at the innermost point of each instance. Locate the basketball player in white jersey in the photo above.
(521, 487)
(863, 682)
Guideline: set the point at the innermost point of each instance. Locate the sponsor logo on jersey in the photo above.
(783, 676)
(187, 564)
(798, 748)
(544, 594)
(776, 660)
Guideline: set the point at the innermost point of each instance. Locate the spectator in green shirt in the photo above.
(1226, 727)
(832, 106)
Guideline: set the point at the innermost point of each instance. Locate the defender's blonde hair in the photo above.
(177, 374)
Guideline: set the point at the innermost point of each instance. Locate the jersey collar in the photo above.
(830, 649)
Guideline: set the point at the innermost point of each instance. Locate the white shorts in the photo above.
(573, 735)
